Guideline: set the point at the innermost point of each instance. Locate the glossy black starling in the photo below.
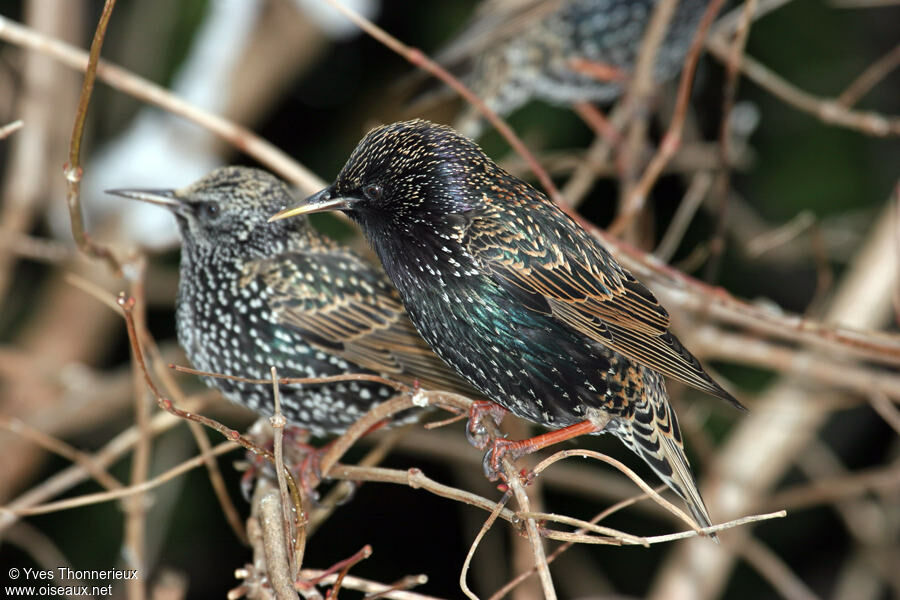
(252, 295)
(562, 51)
(517, 297)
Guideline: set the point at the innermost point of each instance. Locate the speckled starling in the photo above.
(562, 51)
(517, 297)
(252, 295)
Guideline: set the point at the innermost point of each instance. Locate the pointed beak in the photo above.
(164, 198)
(320, 202)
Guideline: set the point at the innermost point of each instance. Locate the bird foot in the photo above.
(500, 449)
(476, 432)
(303, 459)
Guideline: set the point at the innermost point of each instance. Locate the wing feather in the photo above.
(347, 307)
(552, 262)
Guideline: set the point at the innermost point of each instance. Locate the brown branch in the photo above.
(637, 98)
(370, 587)
(276, 545)
(882, 480)
(60, 448)
(125, 492)
(826, 110)
(10, 128)
(295, 551)
(77, 473)
(471, 553)
(672, 138)
(420, 59)
(774, 570)
(885, 408)
(416, 479)
(72, 169)
(121, 79)
(869, 78)
(135, 508)
(715, 343)
(723, 179)
(127, 306)
(568, 544)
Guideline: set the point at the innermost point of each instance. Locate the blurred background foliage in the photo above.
(327, 94)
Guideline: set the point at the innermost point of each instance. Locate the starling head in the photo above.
(228, 206)
(406, 173)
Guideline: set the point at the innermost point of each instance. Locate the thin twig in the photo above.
(127, 305)
(773, 569)
(10, 128)
(276, 545)
(366, 585)
(72, 169)
(61, 448)
(566, 545)
(672, 138)
(295, 551)
(700, 184)
(77, 473)
(125, 81)
(883, 480)
(637, 98)
(463, 585)
(136, 506)
(125, 492)
(723, 177)
(563, 454)
(869, 78)
(199, 434)
(826, 110)
(886, 409)
(419, 59)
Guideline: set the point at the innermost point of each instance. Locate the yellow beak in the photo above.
(320, 202)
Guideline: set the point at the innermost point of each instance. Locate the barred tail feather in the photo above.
(653, 434)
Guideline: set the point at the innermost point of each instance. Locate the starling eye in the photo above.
(208, 210)
(373, 191)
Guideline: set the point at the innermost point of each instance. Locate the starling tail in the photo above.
(653, 434)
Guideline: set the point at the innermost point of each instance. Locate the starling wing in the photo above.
(551, 264)
(347, 308)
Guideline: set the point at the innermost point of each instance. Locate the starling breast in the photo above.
(253, 295)
(516, 296)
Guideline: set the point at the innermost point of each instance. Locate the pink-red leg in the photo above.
(514, 450)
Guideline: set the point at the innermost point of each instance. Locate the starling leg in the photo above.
(475, 431)
(294, 436)
(514, 450)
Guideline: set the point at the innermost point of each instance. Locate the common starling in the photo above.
(517, 297)
(562, 51)
(253, 295)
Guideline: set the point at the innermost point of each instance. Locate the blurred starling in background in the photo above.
(560, 51)
(253, 295)
(517, 297)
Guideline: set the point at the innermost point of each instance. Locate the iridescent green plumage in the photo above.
(516, 296)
